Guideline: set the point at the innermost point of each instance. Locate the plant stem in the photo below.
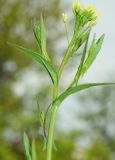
(55, 90)
(51, 132)
(52, 123)
(67, 54)
(67, 35)
(64, 61)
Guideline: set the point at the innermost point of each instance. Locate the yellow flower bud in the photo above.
(75, 5)
(89, 8)
(83, 8)
(78, 4)
(87, 14)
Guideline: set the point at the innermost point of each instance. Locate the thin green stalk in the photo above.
(54, 107)
(67, 35)
(66, 57)
(52, 123)
(55, 90)
(51, 132)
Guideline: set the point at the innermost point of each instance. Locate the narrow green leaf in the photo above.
(36, 31)
(79, 42)
(54, 146)
(44, 144)
(82, 59)
(35, 56)
(26, 146)
(43, 40)
(78, 74)
(42, 118)
(43, 35)
(34, 154)
(92, 47)
(78, 88)
(40, 35)
(92, 55)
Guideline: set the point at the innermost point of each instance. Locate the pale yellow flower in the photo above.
(65, 17)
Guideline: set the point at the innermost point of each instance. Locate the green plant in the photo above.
(85, 18)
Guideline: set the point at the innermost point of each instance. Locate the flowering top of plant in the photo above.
(84, 14)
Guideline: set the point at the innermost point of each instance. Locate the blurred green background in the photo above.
(83, 132)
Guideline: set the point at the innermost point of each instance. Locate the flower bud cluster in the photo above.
(84, 14)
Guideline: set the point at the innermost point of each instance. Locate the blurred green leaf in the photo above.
(51, 70)
(42, 118)
(34, 154)
(54, 146)
(26, 146)
(44, 144)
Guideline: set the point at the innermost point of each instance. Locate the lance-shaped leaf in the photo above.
(26, 146)
(79, 42)
(36, 31)
(81, 38)
(42, 118)
(92, 47)
(44, 144)
(93, 52)
(82, 59)
(35, 56)
(40, 35)
(33, 152)
(78, 73)
(78, 88)
(43, 39)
